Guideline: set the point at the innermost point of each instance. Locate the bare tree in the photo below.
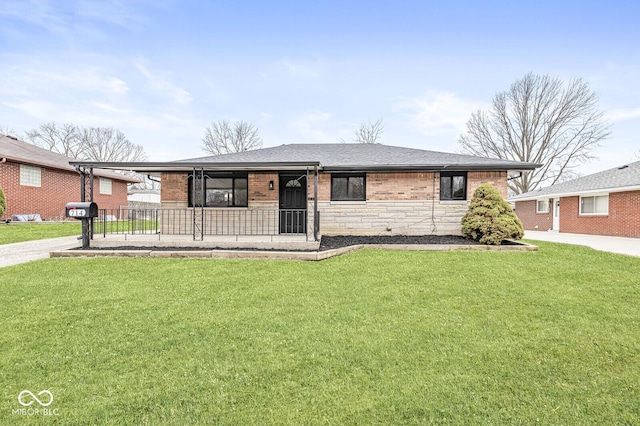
(90, 143)
(61, 138)
(222, 138)
(8, 131)
(108, 144)
(369, 132)
(538, 120)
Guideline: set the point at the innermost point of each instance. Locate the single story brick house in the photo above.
(329, 189)
(604, 203)
(40, 182)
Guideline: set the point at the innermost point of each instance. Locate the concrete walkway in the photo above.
(620, 245)
(13, 254)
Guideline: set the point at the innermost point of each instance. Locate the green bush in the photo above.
(3, 203)
(490, 219)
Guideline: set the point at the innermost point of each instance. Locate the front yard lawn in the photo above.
(375, 337)
(18, 232)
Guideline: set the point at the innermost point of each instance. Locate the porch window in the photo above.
(219, 190)
(30, 175)
(542, 206)
(453, 186)
(596, 205)
(348, 187)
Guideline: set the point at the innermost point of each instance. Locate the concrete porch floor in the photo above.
(260, 242)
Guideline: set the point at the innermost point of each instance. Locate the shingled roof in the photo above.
(25, 153)
(624, 178)
(364, 157)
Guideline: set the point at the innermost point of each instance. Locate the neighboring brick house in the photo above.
(329, 189)
(605, 203)
(38, 181)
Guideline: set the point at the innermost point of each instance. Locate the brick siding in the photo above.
(396, 202)
(57, 188)
(532, 221)
(623, 219)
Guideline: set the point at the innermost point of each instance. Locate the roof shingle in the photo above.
(26, 153)
(362, 156)
(618, 178)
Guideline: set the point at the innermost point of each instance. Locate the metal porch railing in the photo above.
(263, 222)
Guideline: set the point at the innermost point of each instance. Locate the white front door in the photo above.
(556, 214)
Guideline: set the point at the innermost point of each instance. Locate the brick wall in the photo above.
(397, 202)
(623, 219)
(174, 187)
(497, 179)
(400, 203)
(532, 221)
(259, 187)
(57, 188)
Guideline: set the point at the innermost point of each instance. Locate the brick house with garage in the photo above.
(328, 189)
(604, 203)
(40, 182)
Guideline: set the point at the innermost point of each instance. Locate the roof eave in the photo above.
(431, 167)
(577, 193)
(155, 167)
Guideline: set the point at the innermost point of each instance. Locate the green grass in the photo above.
(18, 232)
(375, 337)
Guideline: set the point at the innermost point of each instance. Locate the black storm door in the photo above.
(293, 204)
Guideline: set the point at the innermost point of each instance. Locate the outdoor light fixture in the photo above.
(270, 185)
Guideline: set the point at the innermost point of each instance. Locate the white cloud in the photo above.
(161, 83)
(623, 114)
(438, 113)
(314, 127)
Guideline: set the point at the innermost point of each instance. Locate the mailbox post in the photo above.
(84, 212)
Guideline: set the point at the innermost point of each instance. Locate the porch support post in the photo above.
(91, 223)
(316, 217)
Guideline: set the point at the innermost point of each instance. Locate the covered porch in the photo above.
(211, 203)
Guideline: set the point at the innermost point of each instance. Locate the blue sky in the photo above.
(308, 71)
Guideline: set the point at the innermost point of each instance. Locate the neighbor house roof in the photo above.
(22, 152)
(623, 178)
(332, 157)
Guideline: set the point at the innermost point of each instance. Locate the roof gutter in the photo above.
(576, 193)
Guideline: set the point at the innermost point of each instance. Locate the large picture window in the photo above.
(219, 190)
(453, 186)
(351, 187)
(594, 205)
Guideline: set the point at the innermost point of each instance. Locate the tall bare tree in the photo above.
(90, 143)
(539, 120)
(108, 144)
(223, 138)
(369, 132)
(61, 138)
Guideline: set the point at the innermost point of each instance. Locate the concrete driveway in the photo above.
(13, 254)
(620, 245)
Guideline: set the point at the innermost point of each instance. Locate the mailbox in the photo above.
(82, 210)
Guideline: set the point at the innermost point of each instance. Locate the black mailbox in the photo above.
(82, 210)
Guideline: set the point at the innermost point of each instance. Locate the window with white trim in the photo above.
(105, 186)
(595, 205)
(30, 175)
(542, 206)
